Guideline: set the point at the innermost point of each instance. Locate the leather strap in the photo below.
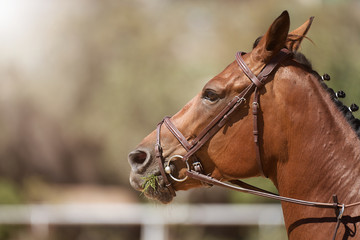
(274, 63)
(160, 159)
(255, 111)
(218, 122)
(247, 70)
(177, 134)
(259, 82)
(246, 188)
(222, 117)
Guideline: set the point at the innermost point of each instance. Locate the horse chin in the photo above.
(162, 195)
(156, 192)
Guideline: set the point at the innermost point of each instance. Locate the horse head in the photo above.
(227, 153)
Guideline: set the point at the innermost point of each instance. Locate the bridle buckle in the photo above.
(198, 167)
(240, 99)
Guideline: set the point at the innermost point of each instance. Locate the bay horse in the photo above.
(300, 136)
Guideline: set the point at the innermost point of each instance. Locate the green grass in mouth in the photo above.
(150, 181)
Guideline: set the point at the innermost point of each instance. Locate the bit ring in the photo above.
(168, 169)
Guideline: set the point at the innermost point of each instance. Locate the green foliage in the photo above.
(150, 181)
(9, 192)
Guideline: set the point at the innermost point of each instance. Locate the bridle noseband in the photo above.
(219, 121)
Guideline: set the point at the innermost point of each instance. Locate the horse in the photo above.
(299, 135)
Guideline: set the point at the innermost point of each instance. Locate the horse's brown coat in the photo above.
(308, 149)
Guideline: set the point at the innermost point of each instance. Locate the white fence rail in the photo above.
(153, 219)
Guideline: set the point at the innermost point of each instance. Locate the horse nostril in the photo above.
(139, 160)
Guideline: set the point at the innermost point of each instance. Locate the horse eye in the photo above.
(210, 95)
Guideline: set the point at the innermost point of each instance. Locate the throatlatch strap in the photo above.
(259, 82)
(255, 111)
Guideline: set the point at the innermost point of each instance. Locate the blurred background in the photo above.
(82, 82)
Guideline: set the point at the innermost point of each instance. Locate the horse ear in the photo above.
(294, 38)
(274, 39)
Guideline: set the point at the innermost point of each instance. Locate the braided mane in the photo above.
(354, 122)
(300, 58)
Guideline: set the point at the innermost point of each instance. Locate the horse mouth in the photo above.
(152, 186)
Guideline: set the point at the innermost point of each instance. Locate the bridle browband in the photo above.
(257, 82)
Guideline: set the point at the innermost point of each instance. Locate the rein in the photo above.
(246, 188)
(216, 124)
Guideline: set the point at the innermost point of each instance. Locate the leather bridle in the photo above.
(257, 82)
(221, 118)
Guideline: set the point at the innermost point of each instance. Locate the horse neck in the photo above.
(322, 154)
